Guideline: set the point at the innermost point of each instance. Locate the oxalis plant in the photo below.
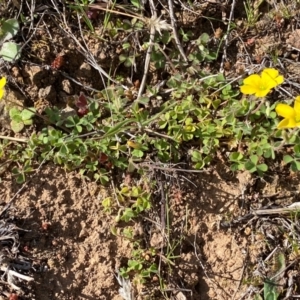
(20, 118)
(9, 50)
(211, 115)
(262, 112)
(260, 122)
(96, 140)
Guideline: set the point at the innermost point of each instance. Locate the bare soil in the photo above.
(69, 237)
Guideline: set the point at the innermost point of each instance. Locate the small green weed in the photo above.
(20, 118)
(272, 287)
(139, 199)
(141, 267)
(252, 12)
(199, 118)
(9, 50)
(131, 200)
(21, 171)
(294, 162)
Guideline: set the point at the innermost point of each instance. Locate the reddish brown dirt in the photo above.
(69, 231)
(72, 235)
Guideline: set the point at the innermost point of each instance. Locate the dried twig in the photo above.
(156, 24)
(83, 49)
(147, 60)
(9, 249)
(241, 277)
(155, 166)
(162, 205)
(174, 27)
(3, 137)
(28, 39)
(274, 211)
(224, 57)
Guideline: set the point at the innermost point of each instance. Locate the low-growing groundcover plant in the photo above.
(96, 140)
(261, 86)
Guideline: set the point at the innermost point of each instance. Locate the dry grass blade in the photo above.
(174, 27)
(274, 211)
(125, 290)
(11, 277)
(224, 57)
(22, 140)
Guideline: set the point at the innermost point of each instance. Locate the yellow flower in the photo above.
(261, 85)
(291, 114)
(2, 84)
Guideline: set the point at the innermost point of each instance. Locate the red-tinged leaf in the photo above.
(81, 101)
(103, 158)
(82, 111)
(108, 165)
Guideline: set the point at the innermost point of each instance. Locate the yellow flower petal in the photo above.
(262, 93)
(253, 80)
(268, 80)
(2, 82)
(261, 85)
(292, 123)
(285, 111)
(279, 79)
(287, 123)
(273, 73)
(1, 94)
(269, 83)
(282, 124)
(248, 89)
(272, 77)
(251, 85)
